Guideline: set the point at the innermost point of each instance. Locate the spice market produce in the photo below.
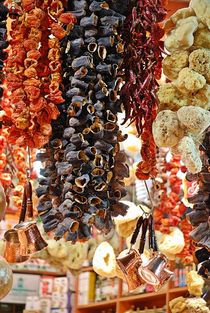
(104, 156)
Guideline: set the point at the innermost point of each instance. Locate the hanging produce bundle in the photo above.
(83, 180)
(32, 71)
(199, 217)
(170, 211)
(142, 66)
(169, 189)
(185, 101)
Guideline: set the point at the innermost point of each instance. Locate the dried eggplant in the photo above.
(92, 168)
(200, 216)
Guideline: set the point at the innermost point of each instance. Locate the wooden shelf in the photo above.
(142, 296)
(178, 290)
(99, 304)
(45, 273)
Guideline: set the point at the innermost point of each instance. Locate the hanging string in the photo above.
(29, 168)
(152, 235)
(150, 198)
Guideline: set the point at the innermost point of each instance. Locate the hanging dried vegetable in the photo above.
(142, 66)
(12, 158)
(33, 71)
(199, 217)
(86, 164)
(171, 211)
(5, 178)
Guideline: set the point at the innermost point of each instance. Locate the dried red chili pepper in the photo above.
(142, 66)
(168, 193)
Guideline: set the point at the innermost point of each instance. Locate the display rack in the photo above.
(37, 272)
(123, 303)
(18, 308)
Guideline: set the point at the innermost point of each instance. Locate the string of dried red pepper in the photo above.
(142, 66)
(170, 211)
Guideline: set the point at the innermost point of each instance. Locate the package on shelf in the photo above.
(45, 303)
(60, 285)
(33, 303)
(60, 300)
(60, 311)
(87, 283)
(46, 286)
(180, 273)
(31, 311)
(24, 285)
(106, 288)
(140, 289)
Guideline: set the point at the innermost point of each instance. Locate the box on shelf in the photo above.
(31, 311)
(33, 303)
(60, 311)
(106, 288)
(46, 286)
(45, 303)
(60, 285)
(24, 285)
(60, 300)
(87, 287)
(180, 273)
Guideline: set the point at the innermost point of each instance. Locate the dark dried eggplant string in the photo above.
(199, 217)
(142, 66)
(89, 164)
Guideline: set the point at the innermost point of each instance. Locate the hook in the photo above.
(144, 212)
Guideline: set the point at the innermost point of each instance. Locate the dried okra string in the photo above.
(90, 165)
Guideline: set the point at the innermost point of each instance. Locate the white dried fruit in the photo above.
(166, 129)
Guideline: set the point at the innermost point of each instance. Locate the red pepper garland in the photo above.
(171, 210)
(142, 64)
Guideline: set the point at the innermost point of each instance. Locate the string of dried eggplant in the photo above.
(199, 217)
(142, 66)
(89, 163)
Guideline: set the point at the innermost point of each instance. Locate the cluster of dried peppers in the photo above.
(170, 211)
(32, 80)
(142, 66)
(84, 169)
(199, 217)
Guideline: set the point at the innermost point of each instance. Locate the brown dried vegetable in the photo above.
(199, 217)
(90, 167)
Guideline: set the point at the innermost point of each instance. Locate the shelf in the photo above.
(178, 290)
(45, 273)
(143, 296)
(101, 304)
